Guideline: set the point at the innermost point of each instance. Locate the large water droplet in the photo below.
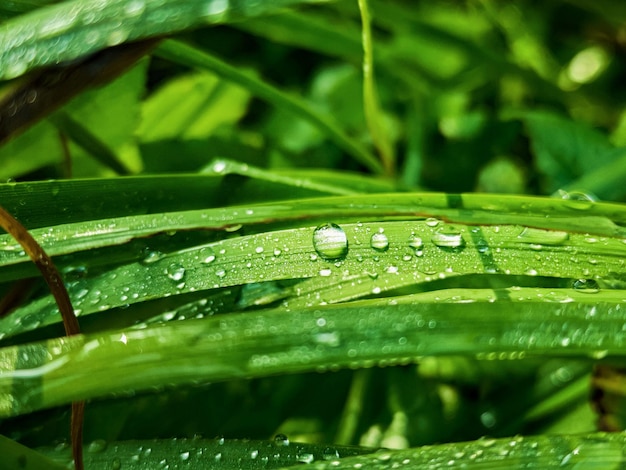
(175, 272)
(586, 286)
(448, 236)
(330, 241)
(379, 241)
(578, 200)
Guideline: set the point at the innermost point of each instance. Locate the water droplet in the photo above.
(254, 454)
(432, 222)
(184, 456)
(537, 236)
(220, 273)
(305, 458)
(586, 286)
(578, 200)
(259, 249)
(116, 37)
(207, 255)
(96, 446)
(175, 272)
(330, 241)
(152, 257)
(330, 454)
(448, 236)
(416, 242)
(281, 440)
(325, 272)
(379, 241)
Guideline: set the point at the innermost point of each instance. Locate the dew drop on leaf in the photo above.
(152, 257)
(448, 236)
(281, 440)
(330, 241)
(379, 241)
(207, 255)
(416, 242)
(96, 446)
(586, 286)
(175, 272)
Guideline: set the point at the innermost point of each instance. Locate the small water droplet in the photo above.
(535, 236)
(220, 273)
(281, 440)
(152, 257)
(184, 456)
(586, 286)
(207, 255)
(432, 222)
(330, 241)
(254, 454)
(448, 236)
(416, 242)
(305, 458)
(175, 272)
(96, 446)
(325, 272)
(330, 454)
(379, 241)
(259, 249)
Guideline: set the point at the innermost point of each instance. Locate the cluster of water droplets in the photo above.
(330, 242)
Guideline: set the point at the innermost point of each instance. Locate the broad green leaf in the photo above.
(257, 344)
(565, 150)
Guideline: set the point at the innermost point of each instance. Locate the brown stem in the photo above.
(53, 278)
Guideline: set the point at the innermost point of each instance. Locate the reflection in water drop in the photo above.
(175, 272)
(207, 255)
(281, 440)
(379, 241)
(448, 236)
(586, 286)
(330, 241)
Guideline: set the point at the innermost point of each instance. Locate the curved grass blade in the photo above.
(218, 454)
(371, 103)
(597, 450)
(258, 344)
(75, 28)
(413, 253)
(181, 53)
(594, 219)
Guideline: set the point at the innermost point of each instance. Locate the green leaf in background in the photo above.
(207, 103)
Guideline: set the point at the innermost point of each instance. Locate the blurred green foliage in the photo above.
(521, 97)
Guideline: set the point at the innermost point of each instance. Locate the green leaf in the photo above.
(191, 107)
(73, 29)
